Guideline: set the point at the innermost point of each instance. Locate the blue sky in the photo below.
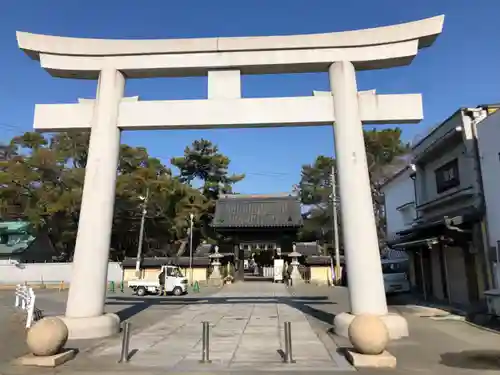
(461, 69)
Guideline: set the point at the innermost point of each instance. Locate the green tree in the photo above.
(41, 180)
(7, 151)
(36, 187)
(202, 161)
(315, 192)
(72, 147)
(168, 206)
(385, 152)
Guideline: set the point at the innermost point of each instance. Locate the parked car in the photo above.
(395, 272)
(395, 275)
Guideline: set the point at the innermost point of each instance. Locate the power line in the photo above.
(9, 126)
(269, 174)
(253, 173)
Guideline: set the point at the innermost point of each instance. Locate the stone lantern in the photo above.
(295, 275)
(215, 258)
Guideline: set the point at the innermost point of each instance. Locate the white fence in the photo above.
(267, 271)
(47, 273)
(25, 300)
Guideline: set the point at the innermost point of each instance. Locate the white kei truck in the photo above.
(175, 283)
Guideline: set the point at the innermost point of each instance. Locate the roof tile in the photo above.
(257, 211)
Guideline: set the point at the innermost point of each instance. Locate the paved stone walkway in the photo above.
(246, 322)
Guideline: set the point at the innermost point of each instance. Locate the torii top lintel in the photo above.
(375, 48)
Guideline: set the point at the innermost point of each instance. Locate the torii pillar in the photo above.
(85, 310)
(364, 268)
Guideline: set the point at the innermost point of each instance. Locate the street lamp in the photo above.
(335, 225)
(191, 218)
(141, 233)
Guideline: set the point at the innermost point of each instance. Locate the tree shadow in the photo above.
(306, 308)
(473, 313)
(472, 359)
(408, 301)
(301, 303)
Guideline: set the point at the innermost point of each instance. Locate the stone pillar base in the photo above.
(92, 327)
(396, 325)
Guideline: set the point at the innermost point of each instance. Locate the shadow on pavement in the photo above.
(473, 359)
(410, 299)
(135, 305)
(321, 315)
(475, 313)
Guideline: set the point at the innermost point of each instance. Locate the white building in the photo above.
(440, 220)
(488, 137)
(399, 198)
(399, 209)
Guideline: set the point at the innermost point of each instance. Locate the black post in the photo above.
(288, 343)
(241, 263)
(205, 343)
(124, 357)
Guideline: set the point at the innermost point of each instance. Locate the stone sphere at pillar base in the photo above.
(47, 336)
(92, 327)
(368, 334)
(396, 325)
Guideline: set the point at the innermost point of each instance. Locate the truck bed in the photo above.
(144, 283)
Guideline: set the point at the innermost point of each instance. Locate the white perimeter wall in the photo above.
(47, 272)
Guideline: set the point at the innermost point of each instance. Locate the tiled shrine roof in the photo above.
(257, 211)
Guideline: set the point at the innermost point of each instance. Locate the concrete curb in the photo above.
(481, 327)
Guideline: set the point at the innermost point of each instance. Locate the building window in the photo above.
(447, 176)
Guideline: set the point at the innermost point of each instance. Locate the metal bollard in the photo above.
(205, 342)
(124, 357)
(288, 344)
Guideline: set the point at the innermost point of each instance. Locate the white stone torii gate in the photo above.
(111, 62)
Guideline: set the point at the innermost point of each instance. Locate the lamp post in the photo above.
(335, 226)
(141, 233)
(191, 218)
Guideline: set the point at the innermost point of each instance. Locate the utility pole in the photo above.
(141, 233)
(335, 225)
(191, 218)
